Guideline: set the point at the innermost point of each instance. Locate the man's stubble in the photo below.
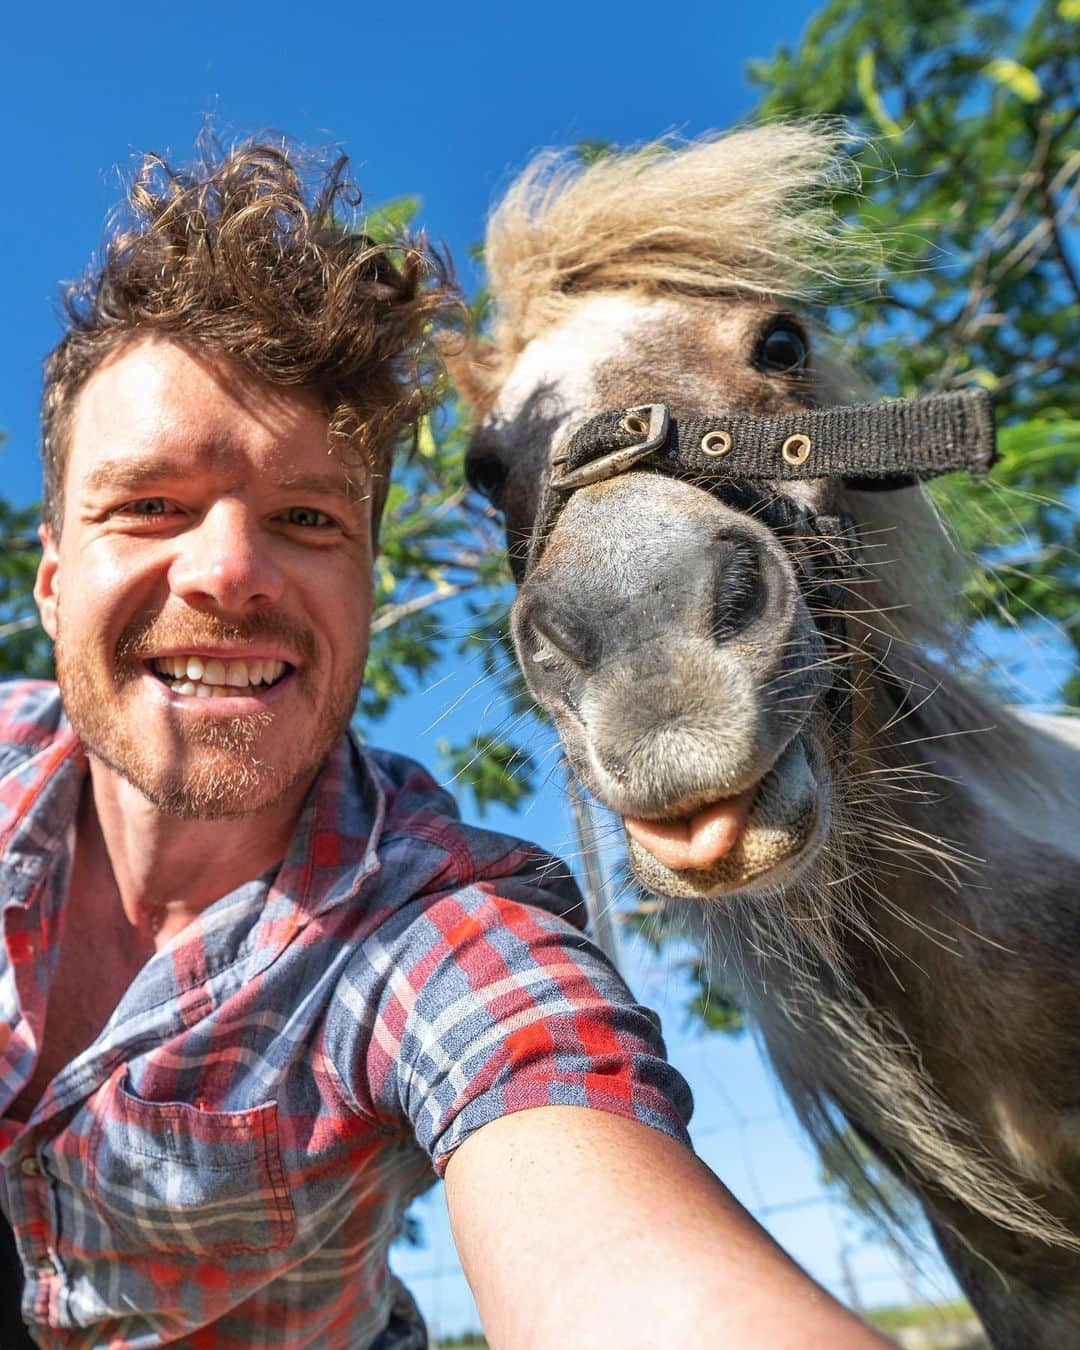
(216, 770)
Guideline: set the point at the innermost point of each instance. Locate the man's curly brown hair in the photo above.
(250, 254)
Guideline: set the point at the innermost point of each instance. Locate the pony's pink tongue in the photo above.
(695, 841)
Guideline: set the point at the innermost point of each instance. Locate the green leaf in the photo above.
(1015, 77)
(589, 152)
(425, 439)
(388, 221)
(864, 81)
(492, 768)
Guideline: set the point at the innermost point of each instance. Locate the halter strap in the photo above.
(870, 445)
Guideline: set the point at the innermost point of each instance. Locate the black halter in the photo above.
(741, 459)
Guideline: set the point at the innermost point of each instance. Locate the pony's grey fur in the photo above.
(910, 951)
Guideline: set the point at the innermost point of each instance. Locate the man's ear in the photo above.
(47, 583)
(475, 368)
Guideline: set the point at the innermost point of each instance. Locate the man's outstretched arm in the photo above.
(584, 1229)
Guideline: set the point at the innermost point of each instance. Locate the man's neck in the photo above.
(168, 869)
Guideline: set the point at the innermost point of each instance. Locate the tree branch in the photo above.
(18, 625)
(389, 615)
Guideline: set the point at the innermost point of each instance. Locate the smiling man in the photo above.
(258, 984)
(212, 560)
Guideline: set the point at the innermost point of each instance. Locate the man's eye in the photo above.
(308, 517)
(145, 506)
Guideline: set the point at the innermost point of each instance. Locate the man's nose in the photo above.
(228, 561)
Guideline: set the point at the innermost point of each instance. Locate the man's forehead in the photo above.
(157, 382)
(157, 406)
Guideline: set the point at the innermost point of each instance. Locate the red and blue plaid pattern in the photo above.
(229, 1161)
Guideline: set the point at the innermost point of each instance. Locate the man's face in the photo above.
(210, 594)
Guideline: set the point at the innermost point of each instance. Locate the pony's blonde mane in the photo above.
(750, 213)
(747, 212)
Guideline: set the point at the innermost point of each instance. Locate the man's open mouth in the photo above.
(213, 677)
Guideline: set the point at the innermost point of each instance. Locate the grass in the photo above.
(920, 1315)
(885, 1319)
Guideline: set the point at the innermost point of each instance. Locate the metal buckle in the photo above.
(618, 461)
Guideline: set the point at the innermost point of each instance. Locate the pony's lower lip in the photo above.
(787, 812)
(699, 840)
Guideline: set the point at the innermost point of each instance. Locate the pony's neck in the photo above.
(968, 866)
(919, 802)
(979, 782)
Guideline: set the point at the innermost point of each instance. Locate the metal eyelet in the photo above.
(796, 449)
(717, 443)
(635, 424)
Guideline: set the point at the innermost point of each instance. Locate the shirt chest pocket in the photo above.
(170, 1177)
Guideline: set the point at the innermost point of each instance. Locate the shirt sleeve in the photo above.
(486, 1005)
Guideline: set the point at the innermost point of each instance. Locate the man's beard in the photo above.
(214, 772)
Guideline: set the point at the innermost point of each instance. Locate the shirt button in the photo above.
(46, 1266)
(30, 1167)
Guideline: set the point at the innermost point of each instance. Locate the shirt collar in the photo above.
(46, 788)
(334, 848)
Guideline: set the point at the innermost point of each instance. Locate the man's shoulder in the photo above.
(422, 820)
(31, 716)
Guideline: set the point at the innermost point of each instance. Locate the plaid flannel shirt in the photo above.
(228, 1162)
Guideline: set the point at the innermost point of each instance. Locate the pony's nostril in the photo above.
(558, 632)
(739, 587)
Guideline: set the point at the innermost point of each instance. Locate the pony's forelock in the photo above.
(747, 212)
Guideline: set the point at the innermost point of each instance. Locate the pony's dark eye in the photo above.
(782, 350)
(485, 473)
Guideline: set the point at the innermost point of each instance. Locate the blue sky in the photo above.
(442, 100)
(445, 102)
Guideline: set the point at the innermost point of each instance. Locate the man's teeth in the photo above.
(209, 677)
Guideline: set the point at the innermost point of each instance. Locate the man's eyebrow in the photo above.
(354, 495)
(325, 484)
(132, 473)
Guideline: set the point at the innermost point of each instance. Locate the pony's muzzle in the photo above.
(715, 590)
